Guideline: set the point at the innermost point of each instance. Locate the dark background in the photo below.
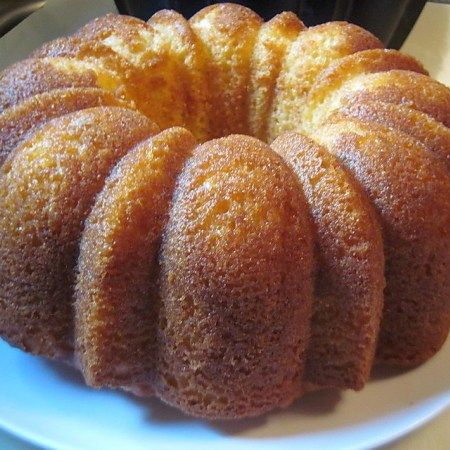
(390, 20)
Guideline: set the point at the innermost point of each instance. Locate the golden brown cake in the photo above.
(348, 296)
(47, 187)
(274, 38)
(36, 76)
(118, 261)
(410, 189)
(312, 52)
(402, 87)
(330, 86)
(18, 121)
(192, 75)
(236, 283)
(221, 274)
(227, 34)
(421, 126)
(170, 92)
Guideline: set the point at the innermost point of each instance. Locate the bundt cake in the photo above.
(222, 212)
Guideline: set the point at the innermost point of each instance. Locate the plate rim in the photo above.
(417, 415)
(41, 441)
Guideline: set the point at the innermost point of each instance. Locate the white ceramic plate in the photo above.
(49, 405)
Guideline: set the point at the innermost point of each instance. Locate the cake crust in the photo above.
(116, 300)
(236, 283)
(410, 189)
(26, 117)
(47, 187)
(348, 295)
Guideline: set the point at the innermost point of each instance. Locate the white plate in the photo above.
(49, 405)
